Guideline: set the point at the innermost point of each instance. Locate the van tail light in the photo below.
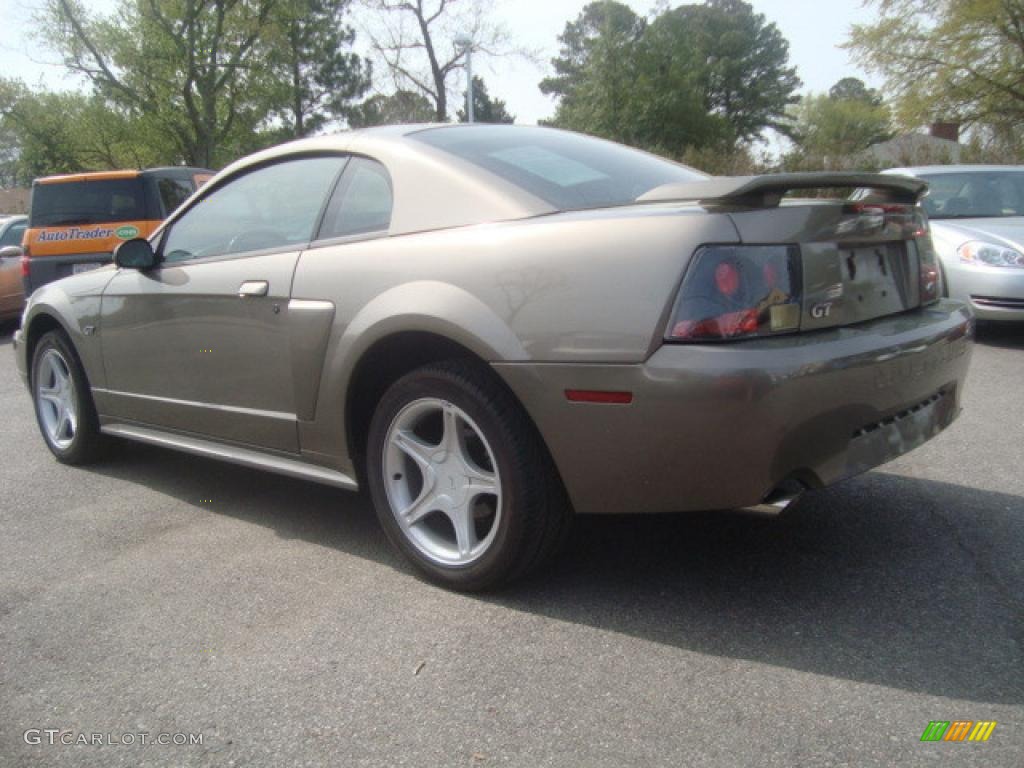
(25, 256)
(738, 291)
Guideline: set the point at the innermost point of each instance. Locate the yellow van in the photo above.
(75, 221)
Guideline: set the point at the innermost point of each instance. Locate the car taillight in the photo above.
(931, 276)
(738, 291)
(24, 262)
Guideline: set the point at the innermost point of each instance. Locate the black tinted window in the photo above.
(87, 202)
(362, 202)
(567, 170)
(13, 235)
(270, 207)
(174, 192)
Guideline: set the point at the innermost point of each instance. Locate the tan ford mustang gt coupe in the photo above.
(495, 327)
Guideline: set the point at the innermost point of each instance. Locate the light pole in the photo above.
(465, 42)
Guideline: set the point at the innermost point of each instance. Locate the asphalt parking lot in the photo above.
(161, 593)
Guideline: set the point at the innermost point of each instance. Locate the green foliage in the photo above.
(855, 89)
(310, 61)
(396, 108)
(948, 60)
(708, 75)
(832, 130)
(50, 133)
(485, 108)
(201, 81)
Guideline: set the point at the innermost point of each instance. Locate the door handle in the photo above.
(254, 288)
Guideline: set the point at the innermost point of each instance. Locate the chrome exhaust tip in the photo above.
(771, 508)
(776, 502)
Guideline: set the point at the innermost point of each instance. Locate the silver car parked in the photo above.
(495, 327)
(977, 224)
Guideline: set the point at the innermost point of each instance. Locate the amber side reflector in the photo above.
(598, 396)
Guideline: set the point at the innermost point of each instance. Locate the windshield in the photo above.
(977, 194)
(87, 202)
(567, 170)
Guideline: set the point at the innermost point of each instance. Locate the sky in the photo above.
(814, 28)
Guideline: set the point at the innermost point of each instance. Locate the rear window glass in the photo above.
(87, 202)
(567, 170)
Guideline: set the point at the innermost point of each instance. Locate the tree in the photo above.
(854, 89)
(485, 108)
(185, 66)
(958, 60)
(310, 56)
(415, 41)
(605, 31)
(714, 74)
(831, 131)
(396, 108)
(51, 132)
(206, 80)
(746, 76)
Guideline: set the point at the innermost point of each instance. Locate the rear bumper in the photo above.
(723, 426)
(46, 269)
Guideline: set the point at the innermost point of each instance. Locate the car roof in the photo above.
(925, 170)
(433, 189)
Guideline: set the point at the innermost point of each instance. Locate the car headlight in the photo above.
(989, 254)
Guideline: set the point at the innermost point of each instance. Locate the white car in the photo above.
(977, 224)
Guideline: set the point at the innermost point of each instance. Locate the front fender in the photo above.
(74, 303)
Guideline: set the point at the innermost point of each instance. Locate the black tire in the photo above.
(536, 516)
(87, 444)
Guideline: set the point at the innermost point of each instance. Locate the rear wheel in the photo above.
(461, 480)
(63, 404)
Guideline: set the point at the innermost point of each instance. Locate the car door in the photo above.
(200, 343)
(12, 295)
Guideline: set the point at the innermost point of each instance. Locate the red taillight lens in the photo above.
(736, 291)
(928, 264)
(24, 263)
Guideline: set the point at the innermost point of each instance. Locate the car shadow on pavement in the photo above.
(1004, 335)
(884, 579)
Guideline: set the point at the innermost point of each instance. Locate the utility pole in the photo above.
(465, 42)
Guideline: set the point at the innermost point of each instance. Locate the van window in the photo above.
(174, 192)
(87, 202)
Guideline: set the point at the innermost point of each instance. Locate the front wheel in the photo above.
(460, 479)
(63, 403)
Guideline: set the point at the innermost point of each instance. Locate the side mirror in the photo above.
(135, 254)
(10, 252)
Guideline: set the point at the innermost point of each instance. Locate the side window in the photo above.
(13, 235)
(270, 207)
(173, 192)
(361, 203)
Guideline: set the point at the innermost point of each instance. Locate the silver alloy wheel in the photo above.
(55, 399)
(442, 481)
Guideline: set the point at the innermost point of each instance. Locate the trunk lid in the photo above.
(859, 261)
(863, 257)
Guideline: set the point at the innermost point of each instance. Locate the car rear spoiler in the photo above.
(767, 191)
